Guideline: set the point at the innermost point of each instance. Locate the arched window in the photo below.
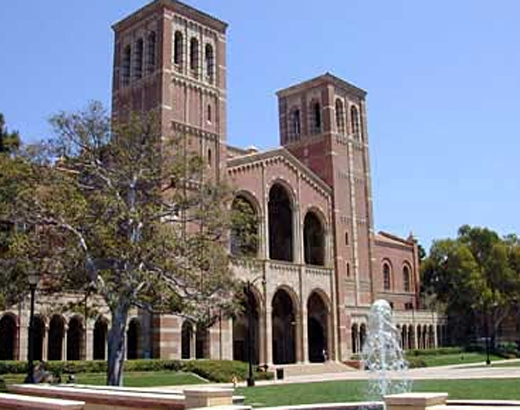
(313, 240)
(346, 239)
(280, 224)
(194, 55)
(133, 336)
(340, 117)
(210, 160)
(406, 279)
(244, 230)
(295, 125)
(348, 270)
(178, 48)
(354, 122)
(316, 117)
(209, 57)
(208, 113)
(139, 54)
(151, 54)
(387, 281)
(126, 65)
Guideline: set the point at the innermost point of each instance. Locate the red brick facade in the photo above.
(320, 262)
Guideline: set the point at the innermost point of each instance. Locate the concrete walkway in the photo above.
(452, 372)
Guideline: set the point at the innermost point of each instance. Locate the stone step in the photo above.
(293, 370)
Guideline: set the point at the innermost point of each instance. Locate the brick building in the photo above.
(318, 265)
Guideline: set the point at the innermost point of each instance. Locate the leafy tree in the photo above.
(476, 277)
(9, 140)
(125, 213)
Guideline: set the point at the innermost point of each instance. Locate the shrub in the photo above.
(414, 362)
(223, 370)
(213, 370)
(434, 352)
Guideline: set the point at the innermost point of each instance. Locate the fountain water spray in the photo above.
(382, 354)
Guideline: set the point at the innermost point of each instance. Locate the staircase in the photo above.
(294, 370)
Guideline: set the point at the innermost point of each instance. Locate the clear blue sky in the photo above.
(443, 82)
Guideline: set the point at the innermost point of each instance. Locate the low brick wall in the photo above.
(16, 401)
(103, 399)
(364, 405)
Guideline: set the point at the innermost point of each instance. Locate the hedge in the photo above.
(434, 352)
(212, 370)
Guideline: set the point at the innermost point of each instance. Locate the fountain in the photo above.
(382, 354)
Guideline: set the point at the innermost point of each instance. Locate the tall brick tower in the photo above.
(323, 123)
(171, 58)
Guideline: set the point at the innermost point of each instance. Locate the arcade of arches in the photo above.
(412, 336)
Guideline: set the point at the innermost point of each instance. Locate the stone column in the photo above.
(193, 342)
(298, 335)
(304, 336)
(269, 335)
(64, 342)
(89, 348)
(45, 343)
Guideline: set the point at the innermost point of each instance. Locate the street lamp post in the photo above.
(33, 283)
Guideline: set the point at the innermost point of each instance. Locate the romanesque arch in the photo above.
(133, 336)
(362, 336)
(244, 233)
(202, 343)
(186, 340)
(280, 224)
(411, 337)
(100, 338)
(8, 337)
(241, 328)
(354, 334)
(318, 328)
(39, 337)
(313, 239)
(284, 327)
(404, 337)
(75, 339)
(55, 339)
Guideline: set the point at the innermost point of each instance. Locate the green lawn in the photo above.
(458, 358)
(131, 379)
(344, 391)
(504, 364)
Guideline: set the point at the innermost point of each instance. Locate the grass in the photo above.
(130, 379)
(345, 391)
(455, 358)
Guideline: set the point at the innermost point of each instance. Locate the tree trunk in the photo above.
(116, 344)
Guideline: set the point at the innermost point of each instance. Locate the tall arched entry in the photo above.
(241, 328)
(75, 339)
(186, 340)
(313, 240)
(8, 337)
(244, 230)
(317, 328)
(39, 337)
(56, 335)
(280, 224)
(133, 335)
(284, 328)
(100, 339)
(202, 343)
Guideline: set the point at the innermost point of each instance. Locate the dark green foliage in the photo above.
(9, 140)
(434, 352)
(212, 370)
(475, 278)
(415, 362)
